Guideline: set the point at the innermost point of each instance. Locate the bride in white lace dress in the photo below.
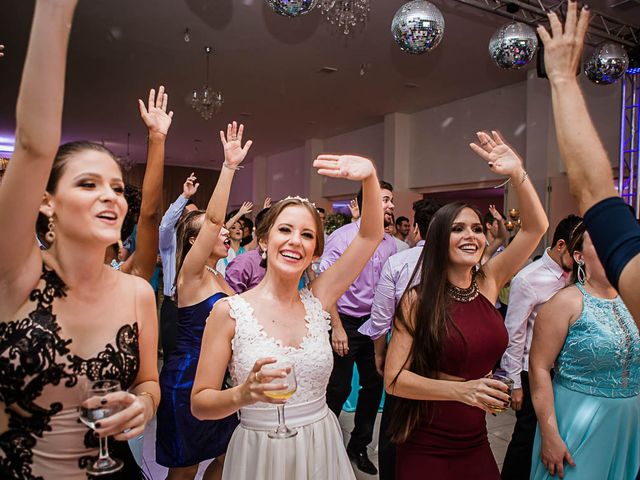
(275, 321)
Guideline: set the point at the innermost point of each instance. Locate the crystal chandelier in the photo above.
(346, 14)
(206, 101)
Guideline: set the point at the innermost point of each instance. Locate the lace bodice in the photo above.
(601, 354)
(313, 360)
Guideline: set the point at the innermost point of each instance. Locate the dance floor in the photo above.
(500, 429)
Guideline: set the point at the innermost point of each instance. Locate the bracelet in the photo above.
(153, 401)
(231, 167)
(525, 175)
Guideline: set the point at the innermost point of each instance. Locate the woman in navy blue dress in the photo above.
(182, 441)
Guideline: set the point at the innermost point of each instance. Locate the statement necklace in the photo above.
(464, 295)
(212, 270)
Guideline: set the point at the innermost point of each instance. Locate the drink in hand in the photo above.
(280, 394)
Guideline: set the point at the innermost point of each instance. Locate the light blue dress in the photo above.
(596, 389)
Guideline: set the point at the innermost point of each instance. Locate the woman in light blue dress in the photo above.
(589, 414)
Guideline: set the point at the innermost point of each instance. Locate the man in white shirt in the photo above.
(530, 288)
(394, 279)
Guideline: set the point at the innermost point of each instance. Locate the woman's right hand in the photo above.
(234, 152)
(483, 393)
(259, 381)
(553, 453)
(351, 167)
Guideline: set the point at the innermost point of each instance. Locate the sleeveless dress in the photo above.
(181, 439)
(317, 451)
(453, 445)
(596, 387)
(42, 385)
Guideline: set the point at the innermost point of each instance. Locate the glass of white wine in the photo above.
(282, 431)
(91, 412)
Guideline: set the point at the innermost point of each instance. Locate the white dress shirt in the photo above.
(393, 282)
(530, 288)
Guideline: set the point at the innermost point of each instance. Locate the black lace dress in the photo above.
(41, 388)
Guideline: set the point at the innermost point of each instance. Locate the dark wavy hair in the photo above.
(188, 227)
(63, 155)
(424, 313)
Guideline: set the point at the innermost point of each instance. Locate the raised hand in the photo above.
(351, 167)
(563, 47)
(189, 188)
(495, 213)
(500, 157)
(245, 208)
(354, 209)
(267, 203)
(234, 152)
(155, 115)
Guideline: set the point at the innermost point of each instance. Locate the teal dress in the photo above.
(596, 389)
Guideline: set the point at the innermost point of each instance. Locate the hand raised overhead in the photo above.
(234, 152)
(190, 187)
(351, 167)
(155, 115)
(500, 157)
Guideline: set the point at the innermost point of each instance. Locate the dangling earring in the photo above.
(50, 236)
(582, 276)
(264, 255)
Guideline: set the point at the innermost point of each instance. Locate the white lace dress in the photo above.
(317, 451)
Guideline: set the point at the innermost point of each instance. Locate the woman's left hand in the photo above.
(500, 157)
(155, 115)
(130, 421)
(351, 167)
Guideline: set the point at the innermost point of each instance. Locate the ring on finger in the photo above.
(257, 377)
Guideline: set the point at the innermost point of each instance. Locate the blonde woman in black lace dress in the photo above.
(66, 318)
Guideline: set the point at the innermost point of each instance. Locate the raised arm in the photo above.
(234, 154)
(244, 209)
(502, 159)
(173, 213)
(588, 168)
(158, 121)
(38, 125)
(330, 286)
(550, 331)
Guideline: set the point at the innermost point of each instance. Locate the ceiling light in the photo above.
(346, 14)
(206, 101)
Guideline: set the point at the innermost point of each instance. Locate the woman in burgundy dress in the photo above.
(448, 335)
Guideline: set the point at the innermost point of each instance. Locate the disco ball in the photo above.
(292, 8)
(418, 27)
(513, 45)
(607, 63)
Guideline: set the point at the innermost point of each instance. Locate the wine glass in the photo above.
(91, 412)
(282, 431)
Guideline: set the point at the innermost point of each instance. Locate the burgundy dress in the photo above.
(454, 444)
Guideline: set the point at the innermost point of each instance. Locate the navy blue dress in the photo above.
(181, 439)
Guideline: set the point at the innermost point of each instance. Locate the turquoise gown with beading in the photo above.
(596, 387)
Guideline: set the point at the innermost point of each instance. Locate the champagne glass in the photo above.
(282, 431)
(501, 377)
(91, 412)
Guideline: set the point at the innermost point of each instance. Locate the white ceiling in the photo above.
(266, 66)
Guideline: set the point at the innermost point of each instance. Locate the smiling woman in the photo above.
(60, 330)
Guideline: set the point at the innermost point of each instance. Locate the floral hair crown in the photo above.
(301, 199)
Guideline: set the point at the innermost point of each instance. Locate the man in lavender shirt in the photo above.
(349, 346)
(394, 280)
(245, 271)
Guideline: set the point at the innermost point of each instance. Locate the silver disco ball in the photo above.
(292, 8)
(418, 27)
(607, 63)
(513, 45)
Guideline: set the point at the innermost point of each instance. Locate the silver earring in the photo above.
(50, 236)
(582, 276)
(264, 255)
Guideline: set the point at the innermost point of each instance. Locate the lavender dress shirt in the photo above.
(394, 280)
(357, 300)
(244, 272)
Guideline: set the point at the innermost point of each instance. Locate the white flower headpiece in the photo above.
(301, 199)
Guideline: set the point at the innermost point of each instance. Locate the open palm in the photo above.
(234, 152)
(500, 157)
(351, 167)
(155, 115)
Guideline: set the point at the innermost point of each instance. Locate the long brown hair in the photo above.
(424, 313)
(188, 227)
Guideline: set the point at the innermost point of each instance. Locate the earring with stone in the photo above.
(50, 236)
